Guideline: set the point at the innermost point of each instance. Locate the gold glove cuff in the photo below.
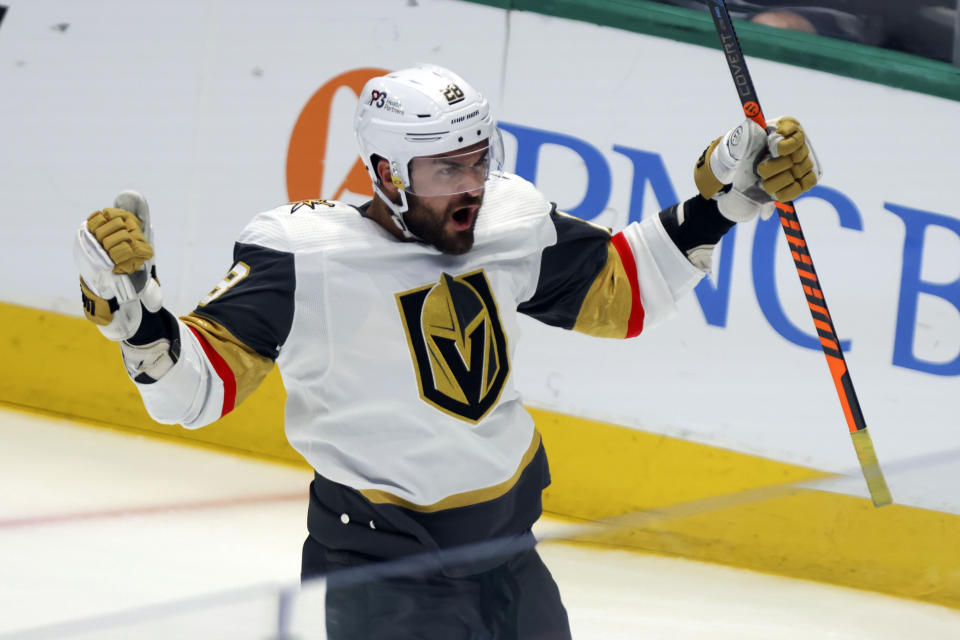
(706, 182)
(97, 310)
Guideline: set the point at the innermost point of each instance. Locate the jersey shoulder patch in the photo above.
(301, 226)
(311, 205)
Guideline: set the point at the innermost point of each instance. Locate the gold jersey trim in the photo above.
(249, 367)
(605, 311)
(464, 499)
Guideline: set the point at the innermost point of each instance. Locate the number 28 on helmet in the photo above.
(416, 119)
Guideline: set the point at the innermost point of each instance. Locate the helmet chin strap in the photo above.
(397, 210)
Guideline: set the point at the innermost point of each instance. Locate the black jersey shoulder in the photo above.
(255, 301)
(567, 270)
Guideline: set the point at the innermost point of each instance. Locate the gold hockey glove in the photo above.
(759, 166)
(730, 160)
(793, 168)
(112, 251)
(120, 235)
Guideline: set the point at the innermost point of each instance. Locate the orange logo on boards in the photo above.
(308, 142)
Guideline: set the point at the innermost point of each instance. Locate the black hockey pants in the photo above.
(516, 600)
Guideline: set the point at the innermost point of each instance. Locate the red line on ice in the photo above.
(80, 516)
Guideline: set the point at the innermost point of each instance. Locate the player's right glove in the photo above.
(759, 166)
(118, 279)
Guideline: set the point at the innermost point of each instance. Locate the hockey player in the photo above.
(394, 325)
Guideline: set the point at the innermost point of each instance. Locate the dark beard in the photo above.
(430, 227)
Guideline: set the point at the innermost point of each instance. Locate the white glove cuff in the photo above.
(744, 141)
(96, 268)
(722, 164)
(152, 296)
(153, 359)
(738, 207)
(126, 321)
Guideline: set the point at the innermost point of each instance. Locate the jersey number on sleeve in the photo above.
(240, 271)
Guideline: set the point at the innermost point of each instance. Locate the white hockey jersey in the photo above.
(396, 357)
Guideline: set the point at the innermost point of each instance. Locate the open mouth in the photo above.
(463, 218)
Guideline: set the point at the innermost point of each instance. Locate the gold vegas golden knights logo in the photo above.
(457, 343)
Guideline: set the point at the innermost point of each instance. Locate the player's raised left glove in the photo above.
(759, 166)
(113, 253)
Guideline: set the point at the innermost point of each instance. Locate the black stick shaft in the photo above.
(863, 444)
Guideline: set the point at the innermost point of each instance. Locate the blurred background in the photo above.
(927, 28)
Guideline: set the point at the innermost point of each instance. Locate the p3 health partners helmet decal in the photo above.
(457, 343)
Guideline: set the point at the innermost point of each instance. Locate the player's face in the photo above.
(447, 220)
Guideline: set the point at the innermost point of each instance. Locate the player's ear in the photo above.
(382, 166)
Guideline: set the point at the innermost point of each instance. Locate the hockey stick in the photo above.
(862, 442)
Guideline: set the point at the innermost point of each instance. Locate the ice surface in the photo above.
(167, 540)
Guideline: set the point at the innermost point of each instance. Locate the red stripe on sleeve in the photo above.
(223, 371)
(635, 324)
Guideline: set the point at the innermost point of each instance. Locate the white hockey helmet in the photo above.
(425, 110)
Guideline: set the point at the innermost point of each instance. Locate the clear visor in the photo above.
(456, 172)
